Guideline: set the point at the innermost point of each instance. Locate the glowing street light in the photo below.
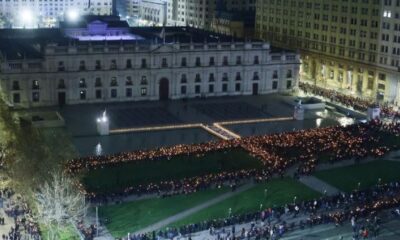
(26, 17)
(72, 15)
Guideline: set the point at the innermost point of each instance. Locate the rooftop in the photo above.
(29, 43)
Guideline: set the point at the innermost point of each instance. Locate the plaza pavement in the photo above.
(318, 185)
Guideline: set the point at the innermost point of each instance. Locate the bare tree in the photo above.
(59, 204)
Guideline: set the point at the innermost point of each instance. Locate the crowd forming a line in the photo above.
(277, 152)
(359, 208)
(357, 103)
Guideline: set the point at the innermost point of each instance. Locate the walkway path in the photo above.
(163, 223)
(318, 185)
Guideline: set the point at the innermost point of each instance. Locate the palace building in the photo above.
(104, 60)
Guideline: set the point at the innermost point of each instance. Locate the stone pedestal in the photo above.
(298, 113)
(373, 113)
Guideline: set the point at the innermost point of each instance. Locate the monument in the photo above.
(298, 112)
(103, 125)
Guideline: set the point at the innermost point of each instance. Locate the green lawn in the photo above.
(133, 216)
(117, 178)
(279, 192)
(367, 174)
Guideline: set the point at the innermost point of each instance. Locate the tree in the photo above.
(59, 204)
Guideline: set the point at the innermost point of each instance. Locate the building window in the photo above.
(211, 77)
(128, 81)
(289, 74)
(198, 62)
(225, 77)
(144, 63)
(98, 94)
(15, 85)
(98, 65)
(113, 82)
(288, 84)
(183, 78)
(212, 61)
(61, 66)
(237, 87)
(211, 88)
(224, 87)
(129, 63)
(82, 94)
(255, 76)
(16, 98)
(238, 77)
(128, 92)
(183, 90)
(225, 61)
(143, 91)
(61, 84)
(382, 76)
(35, 84)
(256, 60)
(35, 97)
(238, 60)
(82, 83)
(275, 74)
(198, 78)
(275, 85)
(82, 66)
(113, 64)
(370, 83)
(143, 81)
(197, 89)
(113, 93)
(183, 62)
(164, 63)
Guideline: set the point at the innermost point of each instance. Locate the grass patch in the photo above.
(133, 216)
(117, 178)
(347, 178)
(279, 192)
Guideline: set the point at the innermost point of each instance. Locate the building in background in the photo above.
(235, 18)
(352, 46)
(153, 12)
(191, 13)
(38, 13)
(104, 60)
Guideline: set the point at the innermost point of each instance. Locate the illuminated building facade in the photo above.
(98, 61)
(349, 45)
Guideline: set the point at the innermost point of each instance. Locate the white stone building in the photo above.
(154, 12)
(134, 64)
(34, 13)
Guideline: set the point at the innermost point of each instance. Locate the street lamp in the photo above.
(72, 15)
(26, 17)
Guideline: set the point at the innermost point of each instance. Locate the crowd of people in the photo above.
(23, 222)
(277, 152)
(357, 103)
(359, 209)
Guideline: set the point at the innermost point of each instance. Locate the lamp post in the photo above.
(294, 200)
